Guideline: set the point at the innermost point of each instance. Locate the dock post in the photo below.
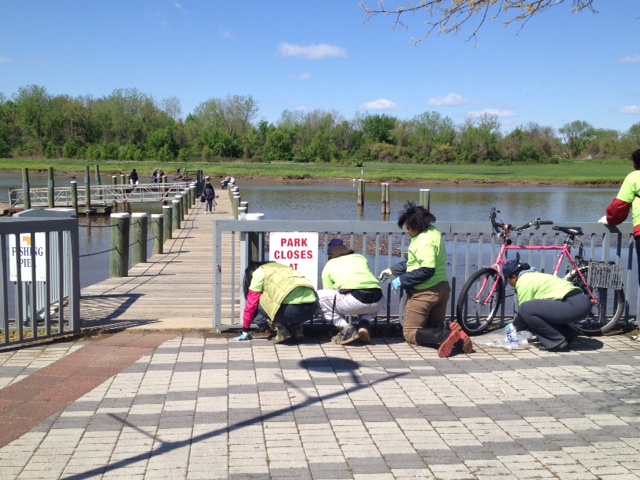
(26, 193)
(87, 188)
(139, 223)
(157, 232)
(425, 197)
(51, 189)
(180, 212)
(175, 217)
(185, 203)
(74, 195)
(119, 245)
(167, 222)
(386, 207)
(361, 185)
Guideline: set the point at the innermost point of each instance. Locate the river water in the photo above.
(338, 201)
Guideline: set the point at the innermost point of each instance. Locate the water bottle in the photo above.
(512, 336)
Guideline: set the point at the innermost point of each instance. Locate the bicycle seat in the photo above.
(569, 230)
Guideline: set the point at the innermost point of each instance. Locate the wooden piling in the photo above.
(97, 175)
(167, 222)
(175, 217)
(25, 189)
(157, 221)
(51, 189)
(425, 197)
(74, 195)
(139, 223)
(385, 208)
(119, 263)
(87, 188)
(361, 188)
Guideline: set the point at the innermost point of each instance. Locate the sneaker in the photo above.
(465, 341)
(363, 331)
(447, 346)
(347, 335)
(563, 347)
(282, 334)
(296, 331)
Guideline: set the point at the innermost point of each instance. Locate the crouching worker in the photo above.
(424, 278)
(547, 305)
(286, 297)
(349, 288)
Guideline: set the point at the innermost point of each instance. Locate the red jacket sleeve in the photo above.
(250, 309)
(617, 212)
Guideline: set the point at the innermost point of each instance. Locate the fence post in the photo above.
(119, 245)
(26, 193)
(51, 189)
(167, 222)
(157, 232)
(139, 222)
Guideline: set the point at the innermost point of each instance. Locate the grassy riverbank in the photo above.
(568, 172)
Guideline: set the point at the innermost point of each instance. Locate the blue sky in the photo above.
(304, 54)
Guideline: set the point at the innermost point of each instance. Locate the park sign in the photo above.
(298, 250)
(28, 252)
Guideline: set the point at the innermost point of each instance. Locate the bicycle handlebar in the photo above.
(501, 227)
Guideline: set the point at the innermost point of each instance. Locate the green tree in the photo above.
(577, 136)
(379, 128)
(479, 140)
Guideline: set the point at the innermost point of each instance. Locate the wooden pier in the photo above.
(173, 290)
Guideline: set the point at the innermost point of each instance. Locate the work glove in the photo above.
(396, 283)
(242, 337)
(603, 220)
(385, 274)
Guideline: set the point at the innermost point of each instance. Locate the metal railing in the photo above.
(39, 279)
(469, 247)
(100, 194)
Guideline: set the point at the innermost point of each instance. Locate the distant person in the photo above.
(133, 178)
(154, 176)
(424, 278)
(548, 305)
(627, 201)
(285, 296)
(349, 288)
(209, 196)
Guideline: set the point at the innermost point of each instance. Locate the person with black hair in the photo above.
(284, 295)
(424, 278)
(349, 289)
(628, 200)
(547, 305)
(133, 178)
(209, 196)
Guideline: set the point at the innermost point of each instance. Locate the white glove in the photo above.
(603, 220)
(385, 274)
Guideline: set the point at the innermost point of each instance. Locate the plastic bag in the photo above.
(506, 338)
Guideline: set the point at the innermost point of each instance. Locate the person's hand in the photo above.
(396, 283)
(385, 274)
(603, 220)
(242, 337)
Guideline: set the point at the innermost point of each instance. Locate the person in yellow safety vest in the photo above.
(349, 289)
(280, 293)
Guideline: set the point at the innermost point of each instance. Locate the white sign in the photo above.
(298, 250)
(26, 249)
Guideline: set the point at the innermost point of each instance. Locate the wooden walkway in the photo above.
(173, 290)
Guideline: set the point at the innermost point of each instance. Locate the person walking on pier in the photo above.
(209, 196)
(133, 178)
(349, 289)
(424, 278)
(284, 295)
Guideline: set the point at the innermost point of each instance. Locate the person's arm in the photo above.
(617, 211)
(250, 310)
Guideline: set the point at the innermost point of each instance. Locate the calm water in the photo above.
(338, 202)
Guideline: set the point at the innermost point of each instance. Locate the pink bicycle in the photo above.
(483, 294)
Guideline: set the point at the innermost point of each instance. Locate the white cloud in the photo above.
(450, 100)
(179, 7)
(633, 110)
(303, 108)
(380, 104)
(302, 77)
(226, 34)
(4, 60)
(311, 52)
(630, 59)
(492, 111)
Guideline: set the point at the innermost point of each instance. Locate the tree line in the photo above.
(130, 125)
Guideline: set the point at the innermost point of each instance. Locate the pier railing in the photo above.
(469, 247)
(39, 279)
(101, 195)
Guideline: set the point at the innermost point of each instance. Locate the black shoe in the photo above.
(347, 335)
(563, 347)
(364, 331)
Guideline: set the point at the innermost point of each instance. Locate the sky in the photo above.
(322, 55)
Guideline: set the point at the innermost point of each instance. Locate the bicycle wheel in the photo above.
(477, 306)
(605, 315)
